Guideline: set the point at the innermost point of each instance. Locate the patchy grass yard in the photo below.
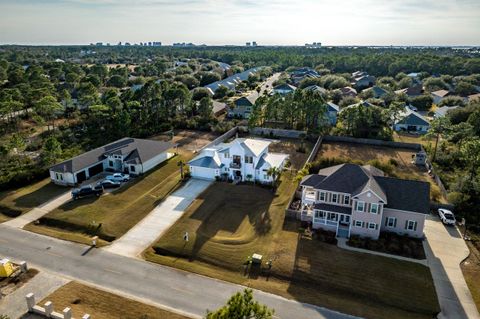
(297, 150)
(228, 223)
(471, 271)
(403, 157)
(113, 214)
(100, 304)
(19, 201)
(413, 138)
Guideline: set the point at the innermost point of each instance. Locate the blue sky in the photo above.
(332, 22)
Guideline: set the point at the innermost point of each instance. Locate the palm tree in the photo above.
(274, 172)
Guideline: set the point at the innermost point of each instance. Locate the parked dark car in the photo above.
(107, 183)
(86, 191)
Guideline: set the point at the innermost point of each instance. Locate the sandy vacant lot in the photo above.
(188, 139)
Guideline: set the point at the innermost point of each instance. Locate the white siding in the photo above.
(151, 163)
(204, 173)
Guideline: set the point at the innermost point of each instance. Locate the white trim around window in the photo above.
(362, 204)
(334, 198)
(372, 209)
(358, 224)
(391, 222)
(346, 200)
(372, 226)
(322, 197)
(411, 225)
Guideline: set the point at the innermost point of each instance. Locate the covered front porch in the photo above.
(327, 220)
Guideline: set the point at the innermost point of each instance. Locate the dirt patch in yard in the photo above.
(188, 140)
(100, 304)
(404, 168)
(9, 285)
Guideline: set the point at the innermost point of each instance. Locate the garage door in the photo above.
(81, 176)
(94, 170)
(202, 173)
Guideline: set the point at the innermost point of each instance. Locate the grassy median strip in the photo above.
(15, 202)
(100, 304)
(228, 223)
(113, 214)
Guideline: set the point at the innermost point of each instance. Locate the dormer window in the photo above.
(346, 200)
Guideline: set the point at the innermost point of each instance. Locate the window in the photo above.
(346, 200)
(334, 198)
(332, 216)
(319, 214)
(360, 206)
(132, 168)
(110, 163)
(248, 159)
(265, 177)
(358, 223)
(411, 225)
(372, 226)
(322, 196)
(391, 222)
(373, 208)
(226, 155)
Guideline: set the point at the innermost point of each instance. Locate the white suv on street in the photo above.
(446, 216)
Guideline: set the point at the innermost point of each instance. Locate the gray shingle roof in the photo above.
(412, 196)
(134, 150)
(207, 162)
(408, 195)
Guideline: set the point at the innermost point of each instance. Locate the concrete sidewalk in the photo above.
(43, 284)
(39, 211)
(142, 235)
(445, 250)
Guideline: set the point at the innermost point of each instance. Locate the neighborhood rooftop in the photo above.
(133, 149)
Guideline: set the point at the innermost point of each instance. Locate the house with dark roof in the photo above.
(243, 159)
(362, 79)
(411, 91)
(411, 121)
(242, 107)
(283, 89)
(378, 92)
(348, 91)
(127, 155)
(350, 199)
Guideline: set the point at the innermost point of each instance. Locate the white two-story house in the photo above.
(350, 199)
(242, 160)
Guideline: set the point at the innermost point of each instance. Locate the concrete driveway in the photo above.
(146, 232)
(39, 211)
(445, 250)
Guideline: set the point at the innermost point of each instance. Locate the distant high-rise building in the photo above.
(119, 43)
(254, 44)
(99, 44)
(157, 44)
(248, 44)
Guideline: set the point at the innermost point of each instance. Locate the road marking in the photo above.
(54, 254)
(114, 271)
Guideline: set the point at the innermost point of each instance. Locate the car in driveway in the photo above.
(446, 216)
(118, 177)
(108, 183)
(86, 191)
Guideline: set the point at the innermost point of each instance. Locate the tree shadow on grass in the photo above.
(224, 209)
(40, 196)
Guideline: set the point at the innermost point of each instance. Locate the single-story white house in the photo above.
(243, 159)
(128, 155)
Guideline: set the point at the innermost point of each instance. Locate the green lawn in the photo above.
(227, 223)
(113, 214)
(22, 200)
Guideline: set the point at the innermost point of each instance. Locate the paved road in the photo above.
(39, 211)
(192, 294)
(445, 250)
(42, 285)
(142, 235)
